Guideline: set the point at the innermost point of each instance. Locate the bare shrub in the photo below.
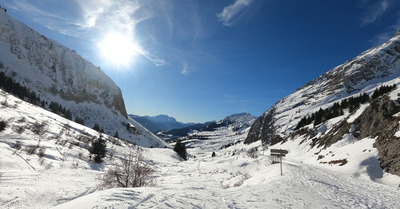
(18, 145)
(133, 171)
(31, 149)
(243, 177)
(39, 128)
(22, 120)
(48, 166)
(18, 129)
(253, 153)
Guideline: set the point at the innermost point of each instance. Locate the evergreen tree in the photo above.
(180, 148)
(96, 127)
(98, 148)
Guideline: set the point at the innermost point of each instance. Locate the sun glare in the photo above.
(118, 49)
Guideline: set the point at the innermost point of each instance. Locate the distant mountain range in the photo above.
(236, 123)
(159, 122)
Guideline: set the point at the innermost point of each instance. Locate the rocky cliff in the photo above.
(58, 74)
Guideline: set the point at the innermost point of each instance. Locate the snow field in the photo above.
(64, 178)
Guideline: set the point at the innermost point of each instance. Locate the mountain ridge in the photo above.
(159, 122)
(363, 74)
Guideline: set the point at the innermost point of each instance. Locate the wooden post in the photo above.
(281, 166)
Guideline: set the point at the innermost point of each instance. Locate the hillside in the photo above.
(64, 176)
(58, 75)
(39, 169)
(238, 177)
(341, 89)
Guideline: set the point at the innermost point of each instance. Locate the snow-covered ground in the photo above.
(64, 177)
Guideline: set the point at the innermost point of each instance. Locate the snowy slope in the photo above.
(65, 177)
(376, 118)
(58, 74)
(238, 181)
(371, 69)
(63, 171)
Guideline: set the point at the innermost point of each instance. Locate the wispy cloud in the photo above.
(185, 69)
(231, 13)
(374, 12)
(387, 34)
(90, 18)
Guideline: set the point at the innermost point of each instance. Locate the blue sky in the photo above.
(203, 60)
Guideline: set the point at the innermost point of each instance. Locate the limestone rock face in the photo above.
(58, 74)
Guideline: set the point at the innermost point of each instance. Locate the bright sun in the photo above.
(118, 49)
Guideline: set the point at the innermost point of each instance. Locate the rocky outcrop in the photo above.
(263, 129)
(380, 121)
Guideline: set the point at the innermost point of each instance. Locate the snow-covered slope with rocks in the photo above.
(363, 74)
(58, 74)
(65, 177)
(237, 122)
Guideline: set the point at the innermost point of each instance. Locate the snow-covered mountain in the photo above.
(159, 122)
(340, 105)
(237, 122)
(58, 74)
(173, 134)
(224, 133)
(60, 174)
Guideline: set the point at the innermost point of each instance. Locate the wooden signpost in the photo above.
(278, 154)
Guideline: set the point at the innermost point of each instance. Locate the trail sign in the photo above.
(279, 151)
(278, 154)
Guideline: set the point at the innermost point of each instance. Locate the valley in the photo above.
(64, 178)
(67, 140)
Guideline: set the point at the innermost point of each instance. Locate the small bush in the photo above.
(42, 151)
(253, 153)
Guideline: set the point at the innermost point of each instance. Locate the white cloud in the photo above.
(185, 69)
(230, 13)
(374, 12)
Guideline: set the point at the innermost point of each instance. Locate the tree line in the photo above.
(12, 87)
(352, 103)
